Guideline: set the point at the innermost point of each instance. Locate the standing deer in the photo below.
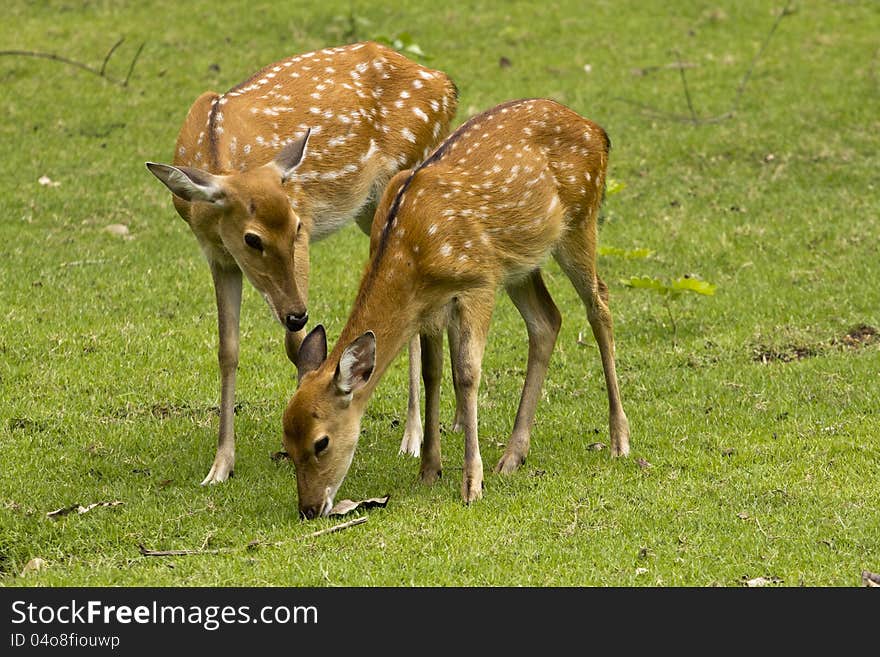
(291, 155)
(509, 188)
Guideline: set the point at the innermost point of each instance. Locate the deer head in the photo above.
(251, 217)
(322, 422)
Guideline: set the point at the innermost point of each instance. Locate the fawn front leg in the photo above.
(412, 433)
(473, 326)
(227, 288)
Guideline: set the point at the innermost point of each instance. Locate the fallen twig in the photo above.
(100, 72)
(339, 527)
(687, 93)
(175, 553)
(80, 509)
(252, 545)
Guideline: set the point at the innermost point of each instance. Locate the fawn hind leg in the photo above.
(577, 257)
(432, 371)
(452, 331)
(543, 320)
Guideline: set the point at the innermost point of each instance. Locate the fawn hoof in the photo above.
(509, 463)
(472, 486)
(431, 476)
(222, 470)
(620, 437)
(412, 440)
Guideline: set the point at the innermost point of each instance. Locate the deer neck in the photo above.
(389, 305)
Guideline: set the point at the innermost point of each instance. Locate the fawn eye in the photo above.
(321, 444)
(253, 240)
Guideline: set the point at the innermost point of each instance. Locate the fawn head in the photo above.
(322, 421)
(253, 220)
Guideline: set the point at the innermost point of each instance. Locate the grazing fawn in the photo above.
(291, 155)
(509, 188)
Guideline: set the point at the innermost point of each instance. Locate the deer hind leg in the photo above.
(227, 287)
(474, 314)
(543, 320)
(413, 433)
(452, 332)
(432, 372)
(577, 257)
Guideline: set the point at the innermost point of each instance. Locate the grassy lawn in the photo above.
(755, 422)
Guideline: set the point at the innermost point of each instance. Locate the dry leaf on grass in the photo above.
(80, 509)
(643, 463)
(761, 581)
(280, 456)
(869, 579)
(120, 230)
(596, 447)
(46, 181)
(33, 565)
(344, 507)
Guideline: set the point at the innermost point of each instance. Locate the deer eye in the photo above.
(253, 240)
(321, 444)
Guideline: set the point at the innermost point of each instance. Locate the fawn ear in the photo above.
(356, 364)
(189, 183)
(291, 156)
(312, 352)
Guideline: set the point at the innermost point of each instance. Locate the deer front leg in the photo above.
(473, 327)
(412, 433)
(227, 287)
(432, 371)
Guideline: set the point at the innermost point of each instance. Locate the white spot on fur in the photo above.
(407, 134)
(445, 250)
(419, 113)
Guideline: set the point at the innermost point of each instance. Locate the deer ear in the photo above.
(312, 352)
(189, 183)
(291, 156)
(356, 364)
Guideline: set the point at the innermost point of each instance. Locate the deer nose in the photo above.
(309, 512)
(296, 322)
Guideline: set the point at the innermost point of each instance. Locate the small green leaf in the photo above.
(646, 283)
(614, 186)
(691, 284)
(624, 253)
(415, 50)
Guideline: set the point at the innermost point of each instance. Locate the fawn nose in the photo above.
(296, 322)
(309, 512)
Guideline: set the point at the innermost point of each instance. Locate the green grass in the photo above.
(108, 375)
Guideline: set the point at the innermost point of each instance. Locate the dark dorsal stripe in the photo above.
(435, 157)
(213, 152)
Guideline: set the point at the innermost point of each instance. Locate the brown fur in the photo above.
(371, 112)
(509, 188)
